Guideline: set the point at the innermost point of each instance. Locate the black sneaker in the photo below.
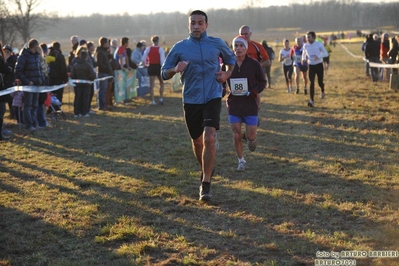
(310, 103)
(305, 91)
(297, 91)
(205, 191)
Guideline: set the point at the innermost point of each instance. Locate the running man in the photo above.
(286, 59)
(299, 68)
(246, 82)
(313, 53)
(197, 59)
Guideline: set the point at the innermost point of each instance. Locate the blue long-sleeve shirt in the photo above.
(199, 77)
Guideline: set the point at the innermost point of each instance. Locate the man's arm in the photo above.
(169, 73)
(265, 63)
(223, 76)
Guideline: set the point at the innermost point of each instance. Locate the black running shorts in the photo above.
(198, 116)
(154, 70)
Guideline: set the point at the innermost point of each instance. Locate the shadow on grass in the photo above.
(137, 165)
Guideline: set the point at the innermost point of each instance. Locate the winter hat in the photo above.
(7, 47)
(241, 39)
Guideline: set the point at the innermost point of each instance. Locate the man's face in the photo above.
(310, 38)
(197, 25)
(299, 42)
(35, 48)
(6, 52)
(74, 41)
(239, 49)
(247, 33)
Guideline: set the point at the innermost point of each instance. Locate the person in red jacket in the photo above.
(256, 51)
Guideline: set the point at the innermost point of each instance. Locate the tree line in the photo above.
(331, 15)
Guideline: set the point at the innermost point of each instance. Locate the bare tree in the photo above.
(7, 31)
(25, 21)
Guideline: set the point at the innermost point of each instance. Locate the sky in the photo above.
(85, 7)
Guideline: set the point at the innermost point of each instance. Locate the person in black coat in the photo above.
(28, 70)
(82, 70)
(372, 53)
(4, 70)
(58, 69)
(9, 79)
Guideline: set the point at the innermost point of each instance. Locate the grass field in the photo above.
(121, 187)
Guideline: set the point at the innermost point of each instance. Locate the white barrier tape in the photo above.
(379, 65)
(35, 89)
(371, 64)
(40, 89)
(353, 55)
(84, 81)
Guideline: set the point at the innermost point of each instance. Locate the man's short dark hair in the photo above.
(83, 54)
(199, 12)
(56, 45)
(32, 43)
(311, 33)
(139, 44)
(90, 44)
(155, 39)
(124, 40)
(102, 41)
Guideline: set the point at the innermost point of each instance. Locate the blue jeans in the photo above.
(374, 70)
(367, 69)
(41, 116)
(102, 91)
(31, 102)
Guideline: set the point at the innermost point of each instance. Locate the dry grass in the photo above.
(120, 188)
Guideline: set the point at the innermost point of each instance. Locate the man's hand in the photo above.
(222, 76)
(181, 66)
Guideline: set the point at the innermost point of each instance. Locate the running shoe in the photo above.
(205, 191)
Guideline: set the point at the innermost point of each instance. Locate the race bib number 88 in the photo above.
(239, 86)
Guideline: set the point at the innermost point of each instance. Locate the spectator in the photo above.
(384, 57)
(58, 70)
(372, 52)
(121, 55)
(75, 43)
(368, 39)
(393, 53)
(4, 70)
(41, 115)
(137, 54)
(28, 71)
(155, 56)
(104, 70)
(92, 61)
(10, 59)
(113, 46)
(84, 71)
